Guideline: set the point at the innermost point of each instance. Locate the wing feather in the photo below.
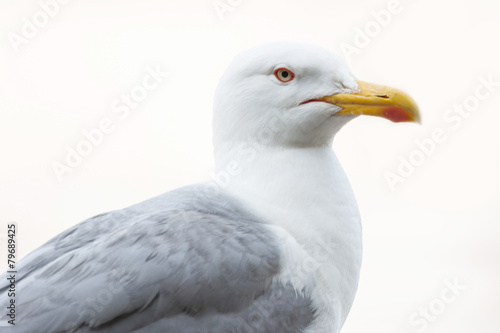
(183, 258)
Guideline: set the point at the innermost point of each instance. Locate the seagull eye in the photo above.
(284, 75)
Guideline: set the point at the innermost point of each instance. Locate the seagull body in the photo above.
(275, 248)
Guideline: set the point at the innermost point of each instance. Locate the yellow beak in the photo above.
(375, 100)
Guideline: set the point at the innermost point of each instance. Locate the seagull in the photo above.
(274, 245)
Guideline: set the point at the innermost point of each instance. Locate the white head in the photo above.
(294, 94)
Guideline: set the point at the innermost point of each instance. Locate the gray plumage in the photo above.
(184, 261)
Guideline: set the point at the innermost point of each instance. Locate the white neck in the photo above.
(306, 192)
(290, 178)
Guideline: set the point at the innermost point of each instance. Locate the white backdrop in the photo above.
(429, 195)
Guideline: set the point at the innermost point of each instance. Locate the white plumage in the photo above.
(276, 248)
(288, 171)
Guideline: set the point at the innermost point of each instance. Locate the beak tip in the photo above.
(398, 114)
(374, 100)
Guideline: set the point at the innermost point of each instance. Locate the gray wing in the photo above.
(185, 261)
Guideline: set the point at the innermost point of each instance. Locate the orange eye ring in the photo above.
(284, 74)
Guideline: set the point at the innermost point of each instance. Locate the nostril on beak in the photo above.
(382, 96)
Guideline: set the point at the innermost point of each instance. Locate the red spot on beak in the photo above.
(397, 115)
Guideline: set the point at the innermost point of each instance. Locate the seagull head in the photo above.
(295, 94)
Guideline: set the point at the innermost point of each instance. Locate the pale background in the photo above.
(441, 224)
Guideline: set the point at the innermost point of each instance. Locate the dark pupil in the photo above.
(284, 74)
